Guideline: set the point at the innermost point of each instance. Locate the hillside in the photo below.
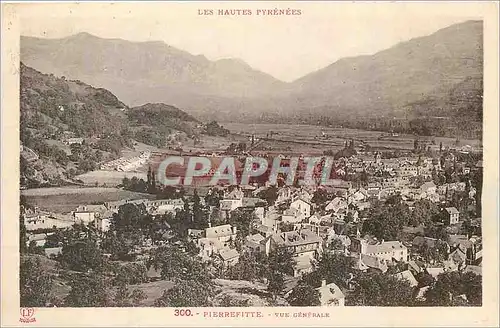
(152, 123)
(67, 105)
(55, 110)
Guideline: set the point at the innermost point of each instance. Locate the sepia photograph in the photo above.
(221, 159)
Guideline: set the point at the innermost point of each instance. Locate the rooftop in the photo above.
(219, 231)
(383, 247)
(329, 293)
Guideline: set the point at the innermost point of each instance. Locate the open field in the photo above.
(110, 178)
(153, 290)
(304, 137)
(66, 199)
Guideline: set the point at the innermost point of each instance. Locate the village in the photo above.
(414, 219)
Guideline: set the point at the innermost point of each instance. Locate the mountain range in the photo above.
(386, 84)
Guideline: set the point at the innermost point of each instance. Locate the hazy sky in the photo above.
(286, 47)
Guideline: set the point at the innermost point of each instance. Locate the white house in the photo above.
(387, 250)
(428, 187)
(168, 205)
(304, 244)
(452, 215)
(358, 196)
(229, 256)
(292, 215)
(84, 217)
(302, 206)
(88, 213)
(336, 205)
(223, 233)
(229, 205)
(43, 221)
(208, 247)
(330, 295)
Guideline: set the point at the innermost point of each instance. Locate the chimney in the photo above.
(323, 283)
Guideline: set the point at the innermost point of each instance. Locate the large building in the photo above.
(304, 244)
(387, 250)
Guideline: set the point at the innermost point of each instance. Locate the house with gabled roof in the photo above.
(452, 215)
(336, 205)
(374, 262)
(408, 276)
(257, 243)
(330, 294)
(223, 233)
(229, 256)
(387, 250)
(303, 206)
(304, 244)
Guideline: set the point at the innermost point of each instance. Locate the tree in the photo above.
(174, 264)
(387, 219)
(378, 289)
(23, 238)
(336, 268)
(188, 293)
(281, 260)
(270, 195)
(213, 198)
(241, 220)
(130, 273)
(336, 245)
(304, 295)
(126, 298)
(286, 226)
(129, 217)
(200, 217)
(425, 212)
(276, 283)
(35, 284)
(472, 288)
(82, 256)
(34, 249)
(436, 231)
(449, 286)
(247, 268)
(320, 197)
(116, 244)
(424, 279)
(87, 291)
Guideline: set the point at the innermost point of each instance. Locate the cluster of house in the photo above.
(126, 164)
(307, 229)
(313, 227)
(99, 215)
(398, 175)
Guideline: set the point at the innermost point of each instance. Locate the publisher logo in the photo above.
(27, 315)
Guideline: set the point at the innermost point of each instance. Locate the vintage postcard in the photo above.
(249, 164)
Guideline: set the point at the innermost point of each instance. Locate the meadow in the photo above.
(314, 138)
(66, 199)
